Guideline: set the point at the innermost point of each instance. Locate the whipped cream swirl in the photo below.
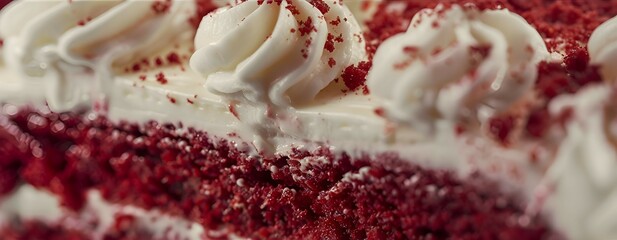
(279, 52)
(71, 47)
(602, 46)
(583, 178)
(456, 63)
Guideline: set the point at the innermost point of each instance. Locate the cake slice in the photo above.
(182, 119)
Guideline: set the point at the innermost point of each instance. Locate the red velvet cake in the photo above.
(308, 119)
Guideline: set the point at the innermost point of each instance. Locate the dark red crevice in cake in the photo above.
(193, 176)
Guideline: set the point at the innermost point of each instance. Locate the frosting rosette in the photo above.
(71, 47)
(583, 179)
(277, 52)
(456, 63)
(602, 48)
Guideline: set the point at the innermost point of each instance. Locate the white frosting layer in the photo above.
(270, 53)
(583, 179)
(69, 47)
(602, 48)
(456, 63)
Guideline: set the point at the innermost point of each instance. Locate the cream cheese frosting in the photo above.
(283, 53)
(457, 63)
(70, 47)
(582, 180)
(602, 48)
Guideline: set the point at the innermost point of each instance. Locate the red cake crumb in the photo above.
(173, 58)
(190, 175)
(171, 99)
(161, 6)
(331, 62)
(83, 22)
(380, 112)
(321, 5)
(160, 77)
(306, 27)
(501, 127)
(158, 61)
(293, 9)
(354, 76)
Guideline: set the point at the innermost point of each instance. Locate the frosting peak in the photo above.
(279, 52)
(583, 178)
(602, 48)
(70, 47)
(454, 63)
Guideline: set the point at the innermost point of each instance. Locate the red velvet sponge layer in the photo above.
(191, 175)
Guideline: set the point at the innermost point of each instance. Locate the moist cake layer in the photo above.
(304, 194)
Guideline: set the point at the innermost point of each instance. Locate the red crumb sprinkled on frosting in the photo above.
(158, 61)
(188, 100)
(380, 112)
(136, 67)
(293, 9)
(142, 77)
(84, 21)
(190, 175)
(329, 46)
(306, 27)
(171, 99)
(173, 58)
(321, 5)
(354, 76)
(232, 110)
(161, 6)
(160, 77)
(331, 62)
(336, 21)
(501, 128)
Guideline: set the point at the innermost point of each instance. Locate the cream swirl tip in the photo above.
(602, 46)
(456, 63)
(582, 181)
(279, 52)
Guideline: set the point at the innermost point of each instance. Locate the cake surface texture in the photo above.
(308, 119)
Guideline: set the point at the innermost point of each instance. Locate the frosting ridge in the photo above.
(279, 52)
(456, 63)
